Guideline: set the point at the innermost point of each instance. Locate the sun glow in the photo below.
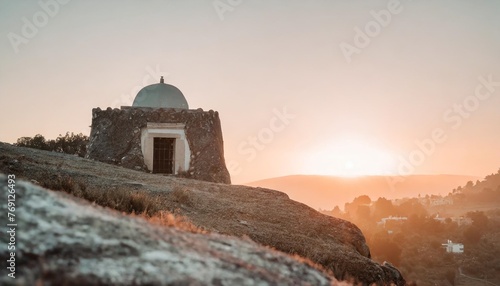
(348, 158)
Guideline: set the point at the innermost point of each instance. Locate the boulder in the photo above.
(62, 241)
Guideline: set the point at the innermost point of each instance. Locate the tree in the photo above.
(75, 144)
(411, 207)
(479, 225)
(71, 144)
(479, 220)
(37, 142)
(362, 200)
(384, 249)
(351, 209)
(469, 185)
(336, 212)
(432, 226)
(363, 213)
(472, 234)
(383, 208)
(415, 223)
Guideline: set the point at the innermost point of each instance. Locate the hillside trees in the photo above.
(479, 219)
(475, 231)
(37, 142)
(75, 144)
(336, 212)
(415, 244)
(412, 207)
(385, 248)
(383, 208)
(351, 209)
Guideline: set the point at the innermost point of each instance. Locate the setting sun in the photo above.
(348, 158)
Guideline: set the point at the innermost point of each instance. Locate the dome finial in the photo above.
(161, 80)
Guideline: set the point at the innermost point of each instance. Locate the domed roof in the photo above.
(160, 95)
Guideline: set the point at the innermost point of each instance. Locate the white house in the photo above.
(440, 219)
(393, 218)
(439, 201)
(462, 220)
(453, 247)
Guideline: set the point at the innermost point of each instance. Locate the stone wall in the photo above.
(115, 138)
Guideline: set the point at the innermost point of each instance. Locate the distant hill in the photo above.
(326, 192)
(490, 182)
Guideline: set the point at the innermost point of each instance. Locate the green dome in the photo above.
(160, 95)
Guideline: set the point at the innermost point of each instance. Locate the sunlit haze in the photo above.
(342, 88)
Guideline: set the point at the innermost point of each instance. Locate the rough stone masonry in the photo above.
(115, 138)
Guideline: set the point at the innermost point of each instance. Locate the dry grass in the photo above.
(168, 219)
(134, 203)
(181, 196)
(126, 201)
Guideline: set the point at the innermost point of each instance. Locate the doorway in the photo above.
(163, 155)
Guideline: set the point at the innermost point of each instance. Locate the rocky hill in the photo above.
(267, 217)
(66, 242)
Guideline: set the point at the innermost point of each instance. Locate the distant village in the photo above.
(449, 246)
(432, 201)
(391, 223)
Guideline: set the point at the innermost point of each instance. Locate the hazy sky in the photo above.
(302, 87)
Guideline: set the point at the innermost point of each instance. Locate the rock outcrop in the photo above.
(268, 217)
(61, 241)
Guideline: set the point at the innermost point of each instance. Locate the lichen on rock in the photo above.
(65, 242)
